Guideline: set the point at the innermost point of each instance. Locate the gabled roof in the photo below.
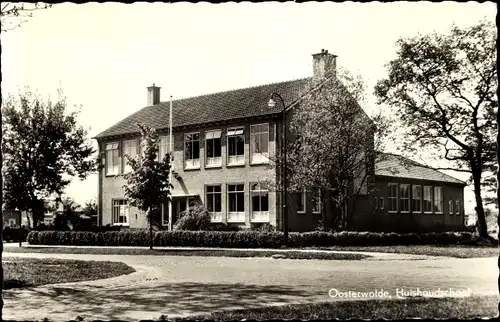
(216, 107)
(393, 165)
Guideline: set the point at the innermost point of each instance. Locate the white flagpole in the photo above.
(170, 172)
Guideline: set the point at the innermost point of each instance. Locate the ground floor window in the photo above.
(214, 202)
(404, 197)
(457, 207)
(416, 199)
(236, 202)
(120, 212)
(427, 199)
(438, 199)
(259, 195)
(301, 202)
(392, 197)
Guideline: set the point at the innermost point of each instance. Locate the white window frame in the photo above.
(115, 203)
(413, 193)
(263, 157)
(235, 216)
(215, 216)
(259, 216)
(304, 200)
(436, 189)
(391, 198)
(192, 163)
(457, 207)
(238, 159)
(403, 199)
(213, 162)
(317, 208)
(431, 193)
(450, 207)
(125, 146)
(113, 147)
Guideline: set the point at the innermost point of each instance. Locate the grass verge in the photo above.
(27, 272)
(461, 251)
(202, 253)
(436, 308)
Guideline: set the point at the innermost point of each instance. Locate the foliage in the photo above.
(148, 185)
(14, 234)
(194, 218)
(244, 239)
(443, 90)
(220, 226)
(13, 14)
(90, 208)
(263, 227)
(43, 148)
(333, 144)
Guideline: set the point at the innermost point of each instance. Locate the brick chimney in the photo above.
(324, 64)
(153, 95)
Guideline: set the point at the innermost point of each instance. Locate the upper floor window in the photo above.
(416, 200)
(112, 159)
(316, 200)
(130, 149)
(438, 199)
(120, 212)
(301, 201)
(214, 202)
(404, 197)
(259, 195)
(163, 147)
(427, 199)
(236, 146)
(213, 148)
(259, 143)
(392, 197)
(192, 150)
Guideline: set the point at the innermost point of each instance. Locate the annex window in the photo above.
(457, 207)
(236, 146)
(259, 143)
(381, 203)
(214, 202)
(130, 149)
(404, 197)
(438, 199)
(112, 159)
(301, 201)
(163, 147)
(427, 199)
(450, 207)
(316, 200)
(236, 202)
(259, 195)
(120, 212)
(213, 147)
(192, 150)
(416, 199)
(392, 197)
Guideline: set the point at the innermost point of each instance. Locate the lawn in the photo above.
(27, 272)
(461, 251)
(432, 308)
(204, 253)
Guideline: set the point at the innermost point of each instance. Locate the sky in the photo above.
(103, 56)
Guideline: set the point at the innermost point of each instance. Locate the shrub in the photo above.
(194, 218)
(15, 234)
(262, 227)
(223, 227)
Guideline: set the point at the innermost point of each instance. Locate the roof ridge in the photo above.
(233, 90)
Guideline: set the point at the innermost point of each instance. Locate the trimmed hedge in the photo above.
(244, 239)
(14, 234)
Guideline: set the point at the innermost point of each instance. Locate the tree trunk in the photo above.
(481, 219)
(150, 215)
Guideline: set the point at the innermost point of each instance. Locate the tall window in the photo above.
(416, 199)
(301, 201)
(236, 200)
(236, 146)
(427, 199)
(392, 197)
(130, 149)
(404, 197)
(457, 207)
(214, 202)
(213, 148)
(192, 150)
(438, 199)
(381, 203)
(259, 143)
(112, 158)
(120, 212)
(450, 207)
(316, 200)
(260, 202)
(163, 147)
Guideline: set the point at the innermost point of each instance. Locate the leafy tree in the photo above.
(148, 185)
(91, 210)
(443, 90)
(43, 149)
(333, 145)
(13, 14)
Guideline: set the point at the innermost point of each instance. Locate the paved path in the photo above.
(178, 285)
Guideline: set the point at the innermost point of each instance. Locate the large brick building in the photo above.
(222, 143)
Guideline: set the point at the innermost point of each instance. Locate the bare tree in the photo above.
(14, 14)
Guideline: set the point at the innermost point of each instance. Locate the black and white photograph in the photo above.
(249, 161)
